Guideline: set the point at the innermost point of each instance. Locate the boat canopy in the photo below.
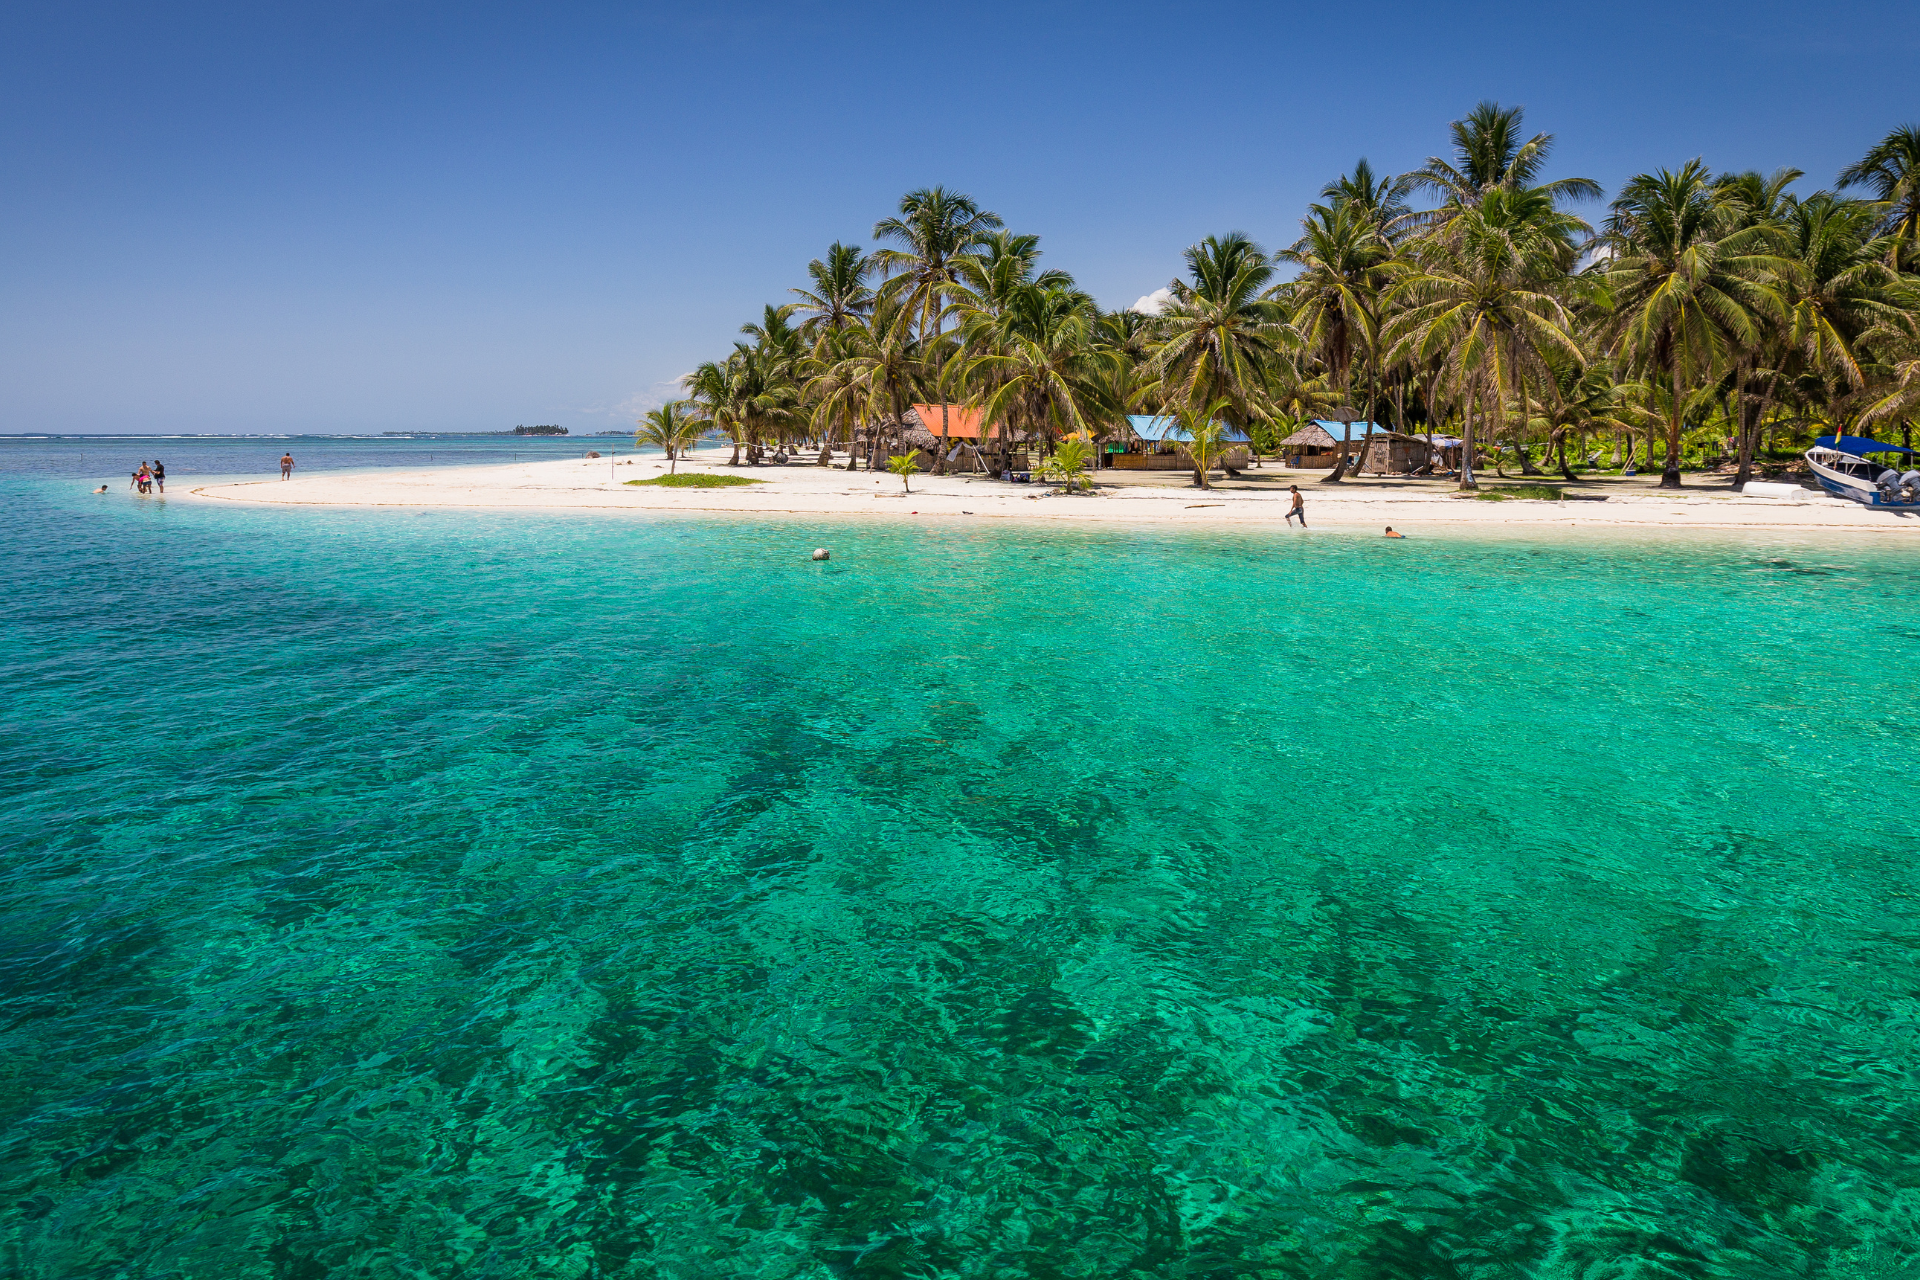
(1858, 446)
(1167, 428)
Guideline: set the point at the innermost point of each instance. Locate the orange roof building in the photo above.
(962, 423)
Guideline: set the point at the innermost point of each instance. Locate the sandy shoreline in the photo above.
(1160, 498)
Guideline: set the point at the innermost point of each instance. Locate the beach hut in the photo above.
(972, 443)
(1153, 443)
(1393, 453)
(1318, 444)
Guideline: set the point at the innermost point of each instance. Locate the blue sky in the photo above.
(385, 216)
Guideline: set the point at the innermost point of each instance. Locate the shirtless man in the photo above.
(1299, 507)
(286, 466)
(1391, 534)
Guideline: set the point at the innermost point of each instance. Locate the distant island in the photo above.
(540, 431)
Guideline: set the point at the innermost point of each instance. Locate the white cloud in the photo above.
(638, 404)
(1153, 303)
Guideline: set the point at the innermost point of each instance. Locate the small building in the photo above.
(1318, 444)
(972, 443)
(1395, 453)
(1154, 443)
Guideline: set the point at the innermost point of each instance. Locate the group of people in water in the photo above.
(151, 477)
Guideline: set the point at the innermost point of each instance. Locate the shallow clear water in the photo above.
(447, 894)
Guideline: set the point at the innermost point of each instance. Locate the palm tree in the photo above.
(904, 466)
(710, 392)
(1891, 168)
(1841, 287)
(1583, 397)
(1379, 198)
(1689, 286)
(839, 296)
(1759, 200)
(935, 227)
(1206, 435)
(1069, 463)
(992, 280)
(673, 427)
(1036, 364)
(1489, 153)
(1221, 337)
(877, 374)
(749, 395)
(1479, 300)
(775, 337)
(938, 229)
(1345, 266)
(1899, 394)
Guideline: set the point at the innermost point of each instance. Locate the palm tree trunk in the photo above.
(1520, 428)
(1749, 410)
(1670, 474)
(1466, 442)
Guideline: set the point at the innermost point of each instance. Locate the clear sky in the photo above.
(354, 217)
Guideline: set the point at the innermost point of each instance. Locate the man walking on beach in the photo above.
(286, 466)
(1299, 507)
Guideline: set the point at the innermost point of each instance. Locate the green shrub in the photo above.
(1542, 492)
(695, 480)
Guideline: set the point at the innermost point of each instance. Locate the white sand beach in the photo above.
(1259, 497)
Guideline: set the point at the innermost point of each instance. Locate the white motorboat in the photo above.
(1844, 468)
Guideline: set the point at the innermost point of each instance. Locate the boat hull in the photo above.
(1855, 487)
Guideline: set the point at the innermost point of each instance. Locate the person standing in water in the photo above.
(1299, 507)
(286, 466)
(160, 475)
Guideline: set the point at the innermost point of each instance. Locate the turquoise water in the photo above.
(451, 895)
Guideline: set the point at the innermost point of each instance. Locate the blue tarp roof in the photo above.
(1338, 430)
(1858, 446)
(1165, 428)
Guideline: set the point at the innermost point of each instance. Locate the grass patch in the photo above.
(1539, 492)
(696, 480)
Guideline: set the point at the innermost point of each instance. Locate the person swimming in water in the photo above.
(1391, 534)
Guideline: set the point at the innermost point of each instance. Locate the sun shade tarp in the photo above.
(1858, 446)
(1169, 429)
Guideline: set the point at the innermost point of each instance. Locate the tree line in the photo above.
(1466, 298)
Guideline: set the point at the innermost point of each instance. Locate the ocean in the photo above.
(452, 894)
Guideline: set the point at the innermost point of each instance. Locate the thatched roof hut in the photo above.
(1323, 433)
